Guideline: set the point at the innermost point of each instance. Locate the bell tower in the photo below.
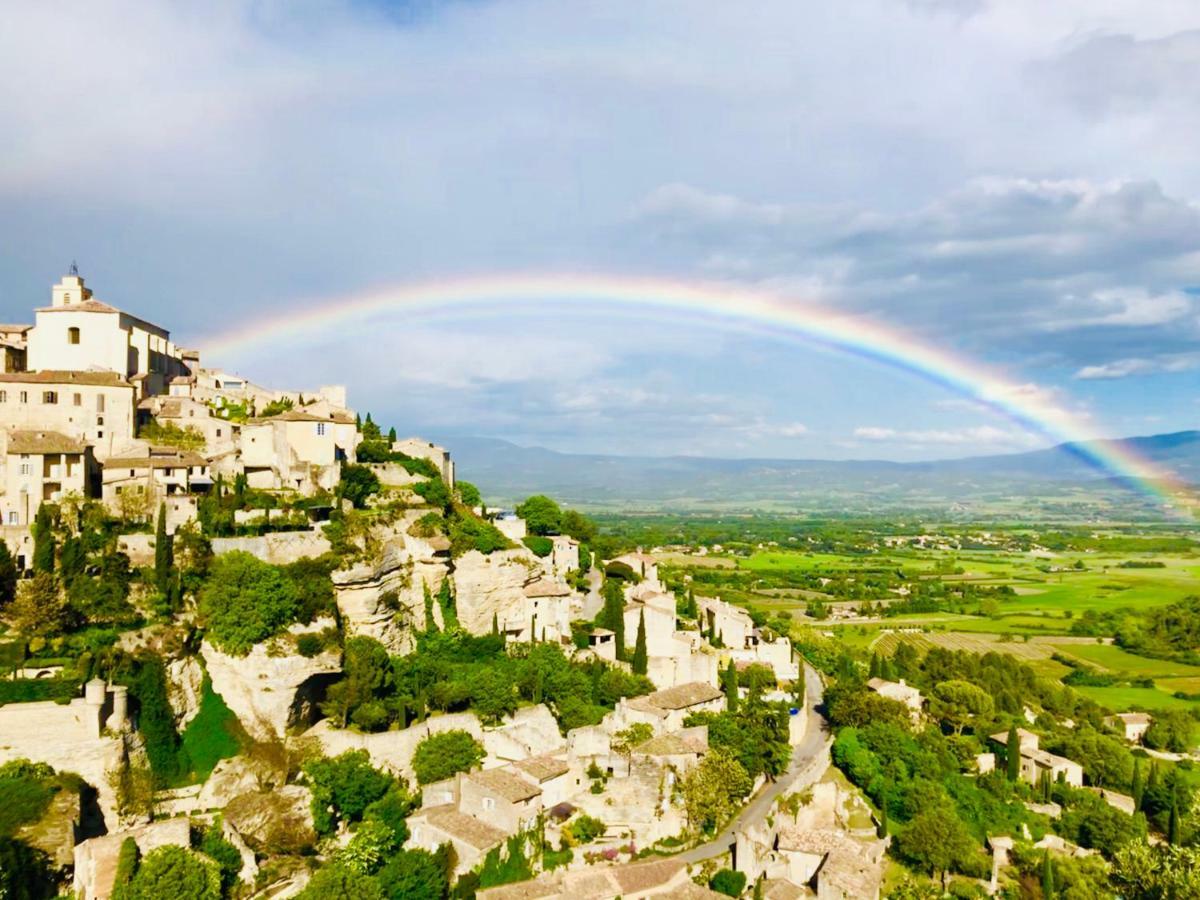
(70, 290)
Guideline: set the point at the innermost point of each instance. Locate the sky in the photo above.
(1009, 179)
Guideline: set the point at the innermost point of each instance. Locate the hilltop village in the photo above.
(255, 645)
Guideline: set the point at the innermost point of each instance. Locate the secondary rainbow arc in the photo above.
(1026, 405)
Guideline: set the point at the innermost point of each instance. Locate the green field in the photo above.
(1120, 699)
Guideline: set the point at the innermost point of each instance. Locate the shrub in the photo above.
(245, 601)
(441, 755)
(541, 546)
(343, 788)
(176, 873)
(728, 882)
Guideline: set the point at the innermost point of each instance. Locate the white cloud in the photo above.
(979, 435)
(1124, 368)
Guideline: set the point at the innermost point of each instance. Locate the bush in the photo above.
(175, 873)
(441, 755)
(343, 788)
(245, 601)
(309, 645)
(434, 492)
(728, 882)
(541, 546)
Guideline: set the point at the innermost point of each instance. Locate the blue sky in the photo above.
(1014, 179)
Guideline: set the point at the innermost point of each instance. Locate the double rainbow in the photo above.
(1030, 407)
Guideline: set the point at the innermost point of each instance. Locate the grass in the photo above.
(1121, 699)
(1117, 660)
(213, 735)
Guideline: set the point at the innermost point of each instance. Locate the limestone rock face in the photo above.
(230, 778)
(270, 689)
(270, 822)
(185, 682)
(492, 584)
(385, 599)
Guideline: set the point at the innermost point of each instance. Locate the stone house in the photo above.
(730, 623)
(159, 473)
(826, 861)
(677, 750)
(500, 797)
(551, 774)
(472, 838)
(634, 881)
(96, 859)
(419, 448)
(643, 565)
(666, 710)
(901, 693)
(1131, 725)
(1036, 762)
(297, 450)
(43, 467)
(97, 407)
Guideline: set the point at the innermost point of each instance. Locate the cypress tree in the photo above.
(1047, 876)
(1151, 784)
(392, 435)
(640, 657)
(873, 669)
(729, 684)
(1014, 754)
(430, 622)
(1138, 788)
(43, 540)
(1173, 824)
(162, 552)
(8, 575)
(495, 625)
(886, 670)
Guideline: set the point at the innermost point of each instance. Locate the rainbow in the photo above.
(1032, 408)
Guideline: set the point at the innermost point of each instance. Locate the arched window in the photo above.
(73, 335)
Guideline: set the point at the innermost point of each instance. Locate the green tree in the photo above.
(44, 544)
(937, 842)
(578, 526)
(541, 514)
(357, 484)
(612, 614)
(427, 598)
(434, 492)
(163, 559)
(40, 609)
(337, 882)
(8, 575)
(1171, 730)
(367, 674)
(1138, 787)
(627, 739)
(468, 494)
(728, 882)
(245, 601)
(343, 787)
(175, 873)
(447, 753)
(959, 703)
(493, 695)
(713, 788)
(1013, 754)
(1173, 824)
(1142, 872)
(729, 684)
(413, 875)
(640, 660)
(1048, 889)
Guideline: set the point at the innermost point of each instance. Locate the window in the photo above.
(488, 804)
(73, 335)
(218, 430)
(99, 403)
(3, 396)
(24, 396)
(320, 429)
(12, 517)
(168, 472)
(77, 399)
(25, 468)
(99, 420)
(99, 434)
(50, 396)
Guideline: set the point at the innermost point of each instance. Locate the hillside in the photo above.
(1057, 474)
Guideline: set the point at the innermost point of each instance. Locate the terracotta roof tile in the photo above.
(35, 442)
(506, 783)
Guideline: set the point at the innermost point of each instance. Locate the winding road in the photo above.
(815, 744)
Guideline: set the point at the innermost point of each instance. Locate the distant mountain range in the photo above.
(1058, 477)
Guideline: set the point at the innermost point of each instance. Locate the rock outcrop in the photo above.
(185, 684)
(230, 778)
(272, 688)
(492, 585)
(271, 822)
(386, 599)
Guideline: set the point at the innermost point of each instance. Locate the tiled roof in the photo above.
(673, 744)
(638, 877)
(60, 376)
(468, 829)
(543, 768)
(97, 306)
(855, 875)
(18, 328)
(158, 461)
(43, 442)
(684, 695)
(506, 783)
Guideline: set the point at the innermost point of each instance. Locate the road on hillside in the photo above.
(815, 744)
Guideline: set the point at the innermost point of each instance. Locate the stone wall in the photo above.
(278, 548)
